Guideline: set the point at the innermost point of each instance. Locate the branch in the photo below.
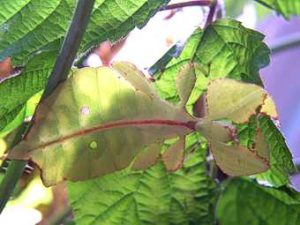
(211, 13)
(60, 73)
(187, 4)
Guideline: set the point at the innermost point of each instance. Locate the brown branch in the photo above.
(211, 13)
(187, 4)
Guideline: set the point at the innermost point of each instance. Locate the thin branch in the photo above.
(60, 72)
(61, 217)
(14, 172)
(286, 43)
(187, 4)
(211, 13)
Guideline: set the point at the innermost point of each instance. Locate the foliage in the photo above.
(149, 197)
(284, 7)
(140, 150)
(261, 205)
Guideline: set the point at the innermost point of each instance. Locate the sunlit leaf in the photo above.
(224, 49)
(29, 21)
(269, 108)
(97, 122)
(285, 7)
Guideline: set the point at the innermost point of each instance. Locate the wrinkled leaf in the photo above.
(285, 7)
(224, 49)
(24, 25)
(16, 91)
(244, 202)
(97, 122)
(281, 164)
(150, 197)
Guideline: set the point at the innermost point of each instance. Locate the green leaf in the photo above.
(281, 158)
(285, 7)
(281, 164)
(244, 202)
(153, 196)
(99, 129)
(16, 91)
(30, 21)
(224, 49)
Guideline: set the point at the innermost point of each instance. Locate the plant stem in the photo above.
(211, 13)
(187, 4)
(61, 217)
(286, 43)
(60, 72)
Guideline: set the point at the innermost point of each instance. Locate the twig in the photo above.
(61, 217)
(60, 72)
(211, 13)
(187, 4)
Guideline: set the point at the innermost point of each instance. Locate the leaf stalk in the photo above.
(187, 4)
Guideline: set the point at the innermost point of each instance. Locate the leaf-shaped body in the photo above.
(96, 123)
(236, 160)
(237, 101)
